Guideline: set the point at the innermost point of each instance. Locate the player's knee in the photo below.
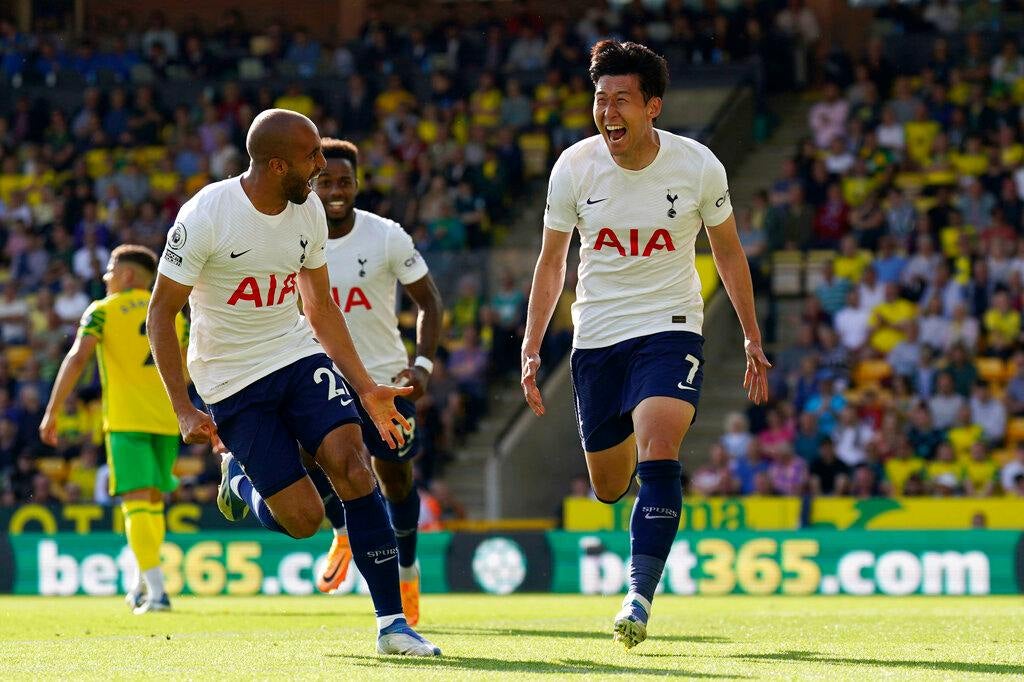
(657, 447)
(609, 489)
(305, 521)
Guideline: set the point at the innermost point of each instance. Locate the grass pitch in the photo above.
(535, 636)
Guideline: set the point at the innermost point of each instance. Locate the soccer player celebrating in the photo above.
(367, 256)
(140, 426)
(241, 251)
(638, 197)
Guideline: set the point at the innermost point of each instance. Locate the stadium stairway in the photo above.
(723, 380)
(722, 391)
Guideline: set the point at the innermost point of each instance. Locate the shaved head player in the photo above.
(240, 252)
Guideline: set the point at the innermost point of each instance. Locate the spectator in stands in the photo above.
(922, 435)
(946, 403)
(826, 405)
(737, 438)
(980, 472)
(903, 473)
(828, 474)
(944, 474)
(989, 413)
(905, 356)
(1012, 472)
(21, 479)
(888, 320)
(808, 439)
(714, 477)
(827, 118)
(852, 437)
(851, 322)
(787, 473)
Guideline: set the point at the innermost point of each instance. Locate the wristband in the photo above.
(424, 362)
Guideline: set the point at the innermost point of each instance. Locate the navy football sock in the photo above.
(405, 519)
(333, 507)
(654, 523)
(375, 552)
(242, 486)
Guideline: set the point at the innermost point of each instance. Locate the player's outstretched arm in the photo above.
(427, 298)
(168, 299)
(328, 325)
(548, 280)
(735, 273)
(67, 377)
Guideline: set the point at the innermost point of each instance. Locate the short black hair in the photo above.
(136, 254)
(334, 148)
(612, 58)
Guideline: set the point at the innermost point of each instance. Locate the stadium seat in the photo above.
(787, 267)
(54, 468)
(1015, 431)
(992, 370)
(871, 372)
(816, 261)
(1002, 456)
(17, 356)
(188, 466)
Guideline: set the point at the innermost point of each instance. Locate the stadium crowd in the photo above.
(103, 137)
(904, 372)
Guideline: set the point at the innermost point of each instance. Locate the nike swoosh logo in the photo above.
(378, 560)
(346, 403)
(685, 388)
(236, 255)
(590, 202)
(328, 577)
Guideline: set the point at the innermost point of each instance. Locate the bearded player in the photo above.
(638, 196)
(367, 257)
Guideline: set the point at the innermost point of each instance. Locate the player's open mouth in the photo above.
(336, 205)
(615, 132)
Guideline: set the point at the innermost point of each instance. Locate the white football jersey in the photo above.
(242, 266)
(637, 231)
(364, 267)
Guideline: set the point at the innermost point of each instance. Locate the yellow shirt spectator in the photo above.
(388, 101)
(486, 107)
(851, 267)
(962, 438)
(295, 101)
(856, 189)
(970, 164)
(84, 476)
(919, 137)
(938, 468)
(898, 470)
(1005, 324)
(1012, 156)
(980, 474)
(886, 319)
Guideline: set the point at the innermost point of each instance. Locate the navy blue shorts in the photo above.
(378, 448)
(264, 423)
(608, 383)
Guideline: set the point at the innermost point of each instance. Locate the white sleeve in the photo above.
(316, 256)
(714, 204)
(189, 246)
(561, 211)
(404, 261)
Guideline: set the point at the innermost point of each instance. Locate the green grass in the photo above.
(535, 636)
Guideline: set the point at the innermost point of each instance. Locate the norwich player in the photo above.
(140, 426)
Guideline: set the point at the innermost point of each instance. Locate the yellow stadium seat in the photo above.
(188, 466)
(1002, 456)
(992, 370)
(55, 468)
(871, 372)
(17, 356)
(1015, 431)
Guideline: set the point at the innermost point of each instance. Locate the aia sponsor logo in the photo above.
(356, 299)
(660, 240)
(265, 295)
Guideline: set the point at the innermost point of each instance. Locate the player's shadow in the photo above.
(945, 666)
(560, 667)
(571, 634)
